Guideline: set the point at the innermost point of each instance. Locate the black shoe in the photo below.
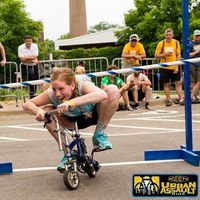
(195, 101)
(136, 106)
(147, 106)
(176, 101)
(1, 106)
(168, 103)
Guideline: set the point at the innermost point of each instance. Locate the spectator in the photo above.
(81, 63)
(79, 70)
(3, 61)
(139, 88)
(168, 50)
(133, 52)
(195, 67)
(113, 79)
(28, 54)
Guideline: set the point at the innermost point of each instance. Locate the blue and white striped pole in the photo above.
(104, 73)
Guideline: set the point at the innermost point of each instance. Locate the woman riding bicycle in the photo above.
(77, 96)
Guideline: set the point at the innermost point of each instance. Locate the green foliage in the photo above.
(64, 36)
(15, 24)
(109, 52)
(152, 17)
(45, 47)
(102, 26)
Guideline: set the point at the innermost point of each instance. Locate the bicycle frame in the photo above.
(69, 146)
(75, 151)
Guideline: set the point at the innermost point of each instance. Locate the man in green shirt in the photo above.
(113, 79)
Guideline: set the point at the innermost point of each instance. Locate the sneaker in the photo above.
(176, 101)
(129, 108)
(137, 106)
(168, 103)
(182, 102)
(195, 101)
(147, 106)
(1, 106)
(100, 141)
(61, 165)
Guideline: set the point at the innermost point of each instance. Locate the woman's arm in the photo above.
(33, 106)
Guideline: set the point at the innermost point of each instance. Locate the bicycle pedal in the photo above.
(61, 170)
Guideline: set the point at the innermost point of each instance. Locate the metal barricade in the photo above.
(153, 74)
(9, 74)
(96, 64)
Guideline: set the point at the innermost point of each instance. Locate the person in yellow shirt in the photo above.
(168, 50)
(133, 52)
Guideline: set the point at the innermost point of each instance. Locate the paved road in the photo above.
(34, 155)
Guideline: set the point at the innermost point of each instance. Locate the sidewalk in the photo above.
(9, 107)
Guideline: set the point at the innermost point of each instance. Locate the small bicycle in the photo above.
(75, 151)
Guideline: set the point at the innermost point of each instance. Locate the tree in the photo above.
(15, 24)
(64, 36)
(152, 17)
(45, 47)
(101, 26)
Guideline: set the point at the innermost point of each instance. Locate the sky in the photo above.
(55, 14)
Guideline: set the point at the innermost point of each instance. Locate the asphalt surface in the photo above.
(34, 154)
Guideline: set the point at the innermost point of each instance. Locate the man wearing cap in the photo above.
(133, 52)
(168, 50)
(195, 67)
(139, 88)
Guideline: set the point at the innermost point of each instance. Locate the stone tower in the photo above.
(77, 16)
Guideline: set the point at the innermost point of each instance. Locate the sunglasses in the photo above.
(134, 40)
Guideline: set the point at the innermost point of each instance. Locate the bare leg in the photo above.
(107, 108)
(167, 90)
(179, 89)
(126, 99)
(52, 126)
(147, 91)
(195, 90)
(135, 94)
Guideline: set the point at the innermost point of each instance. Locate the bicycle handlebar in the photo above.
(48, 116)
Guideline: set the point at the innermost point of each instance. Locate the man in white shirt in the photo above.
(139, 88)
(28, 54)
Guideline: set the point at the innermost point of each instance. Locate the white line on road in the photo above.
(110, 125)
(103, 165)
(12, 139)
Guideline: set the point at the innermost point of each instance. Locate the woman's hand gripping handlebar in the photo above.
(47, 116)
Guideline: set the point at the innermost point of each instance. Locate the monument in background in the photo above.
(77, 17)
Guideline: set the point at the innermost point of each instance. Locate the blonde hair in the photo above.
(169, 30)
(65, 75)
(79, 70)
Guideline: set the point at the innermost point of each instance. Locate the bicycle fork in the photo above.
(66, 150)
